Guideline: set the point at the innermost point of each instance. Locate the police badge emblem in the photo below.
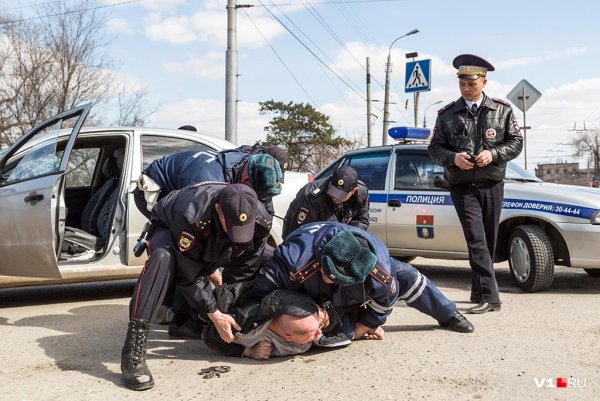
(302, 215)
(186, 241)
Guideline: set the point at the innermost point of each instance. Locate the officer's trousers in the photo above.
(478, 207)
(155, 278)
(420, 293)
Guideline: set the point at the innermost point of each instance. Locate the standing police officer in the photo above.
(198, 229)
(474, 138)
(341, 197)
(352, 269)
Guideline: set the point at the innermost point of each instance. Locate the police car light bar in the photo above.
(409, 133)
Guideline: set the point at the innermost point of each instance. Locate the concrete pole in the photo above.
(368, 103)
(231, 73)
(386, 102)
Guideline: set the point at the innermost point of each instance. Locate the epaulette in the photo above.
(501, 101)
(306, 272)
(200, 184)
(315, 192)
(446, 107)
(381, 275)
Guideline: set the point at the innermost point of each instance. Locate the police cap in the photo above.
(280, 154)
(238, 203)
(343, 180)
(470, 66)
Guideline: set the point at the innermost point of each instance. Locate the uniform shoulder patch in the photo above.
(501, 101)
(302, 215)
(306, 272)
(381, 276)
(446, 107)
(185, 241)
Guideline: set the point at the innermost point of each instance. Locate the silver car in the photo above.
(541, 225)
(61, 182)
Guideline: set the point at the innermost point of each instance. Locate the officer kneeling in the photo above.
(197, 229)
(352, 270)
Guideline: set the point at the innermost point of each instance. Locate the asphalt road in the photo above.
(63, 343)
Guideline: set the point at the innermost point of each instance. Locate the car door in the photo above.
(372, 169)
(32, 196)
(421, 217)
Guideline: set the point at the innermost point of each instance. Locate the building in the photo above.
(564, 173)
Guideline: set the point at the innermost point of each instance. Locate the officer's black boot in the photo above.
(134, 370)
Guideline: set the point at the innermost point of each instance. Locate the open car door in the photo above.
(32, 207)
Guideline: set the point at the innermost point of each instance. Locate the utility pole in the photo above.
(368, 104)
(231, 72)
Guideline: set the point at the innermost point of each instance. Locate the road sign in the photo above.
(418, 76)
(524, 95)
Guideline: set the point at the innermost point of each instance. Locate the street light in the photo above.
(386, 105)
(425, 114)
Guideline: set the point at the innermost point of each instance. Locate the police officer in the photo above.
(352, 269)
(261, 172)
(198, 229)
(474, 137)
(341, 197)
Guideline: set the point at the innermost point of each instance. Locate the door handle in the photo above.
(394, 203)
(34, 198)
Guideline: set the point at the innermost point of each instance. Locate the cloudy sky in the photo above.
(177, 49)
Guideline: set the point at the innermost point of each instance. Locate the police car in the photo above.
(57, 179)
(541, 225)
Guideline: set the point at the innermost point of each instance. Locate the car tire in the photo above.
(593, 272)
(531, 258)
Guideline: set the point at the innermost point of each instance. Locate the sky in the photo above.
(176, 48)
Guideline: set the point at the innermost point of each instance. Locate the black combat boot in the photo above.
(134, 370)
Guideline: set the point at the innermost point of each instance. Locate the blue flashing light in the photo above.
(409, 133)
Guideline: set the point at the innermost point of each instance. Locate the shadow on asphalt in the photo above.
(49, 294)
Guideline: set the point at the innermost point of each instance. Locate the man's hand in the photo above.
(260, 351)
(216, 278)
(484, 158)
(462, 160)
(363, 332)
(223, 324)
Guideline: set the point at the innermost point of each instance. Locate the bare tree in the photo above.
(587, 144)
(56, 62)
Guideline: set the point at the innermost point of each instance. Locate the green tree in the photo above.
(305, 133)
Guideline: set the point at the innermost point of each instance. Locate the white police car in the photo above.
(59, 178)
(541, 225)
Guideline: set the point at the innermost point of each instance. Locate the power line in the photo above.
(334, 2)
(281, 60)
(311, 52)
(70, 12)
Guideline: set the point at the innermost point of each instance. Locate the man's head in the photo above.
(236, 207)
(472, 71)
(264, 175)
(347, 258)
(300, 330)
(342, 184)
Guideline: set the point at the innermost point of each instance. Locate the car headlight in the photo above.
(595, 219)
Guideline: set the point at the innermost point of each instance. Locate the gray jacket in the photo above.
(493, 128)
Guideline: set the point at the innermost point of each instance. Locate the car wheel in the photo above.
(406, 259)
(593, 272)
(531, 258)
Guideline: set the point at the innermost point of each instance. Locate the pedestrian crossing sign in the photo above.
(418, 76)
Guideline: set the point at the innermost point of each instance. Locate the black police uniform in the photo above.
(477, 194)
(312, 203)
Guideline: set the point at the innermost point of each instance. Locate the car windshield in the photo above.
(515, 172)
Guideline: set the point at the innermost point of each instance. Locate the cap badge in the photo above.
(269, 162)
(243, 217)
(340, 182)
(285, 165)
(331, 276)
